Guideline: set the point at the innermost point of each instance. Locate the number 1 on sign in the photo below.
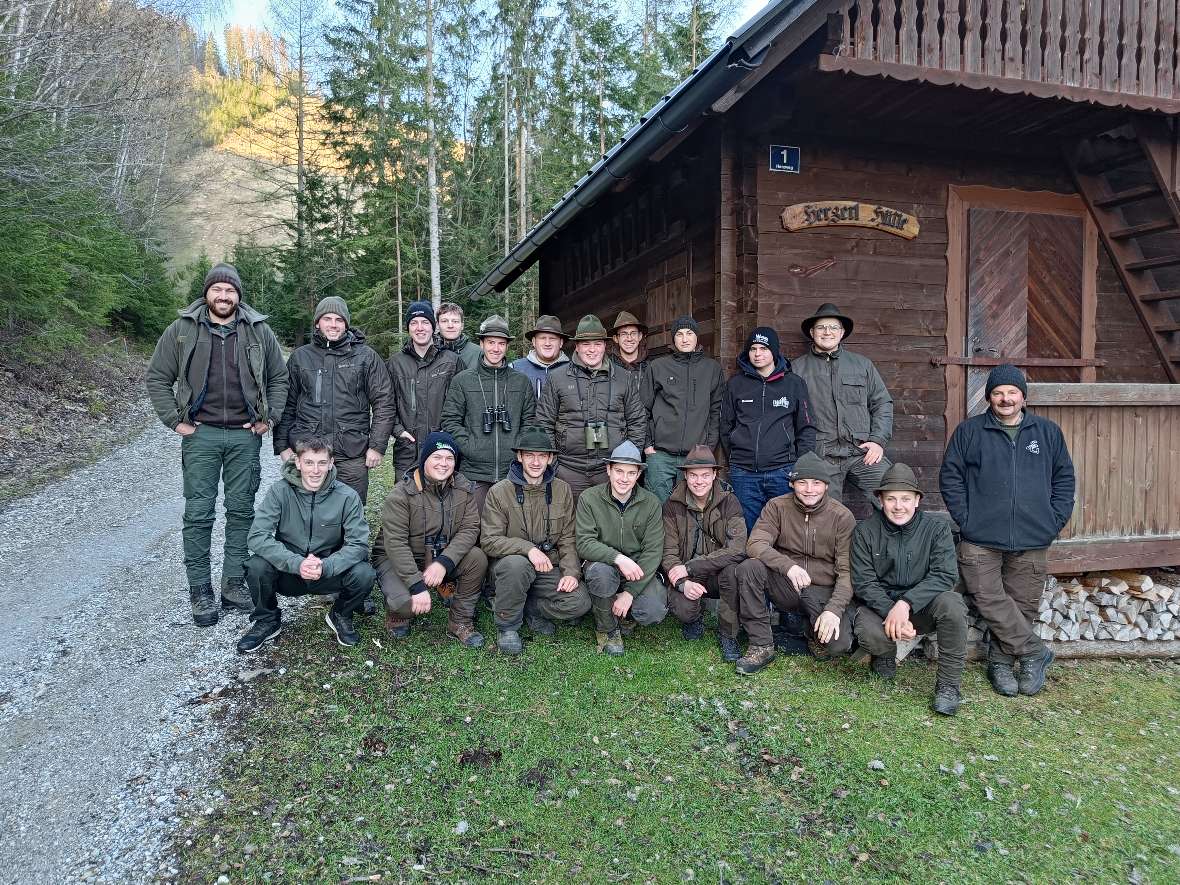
(784, 158)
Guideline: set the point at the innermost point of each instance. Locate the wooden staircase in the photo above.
(1130, 179)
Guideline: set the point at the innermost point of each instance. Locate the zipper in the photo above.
(758, 436)
(224, 386)
(319, 393)
(1012, 517)
(310, 523)
(496, 435)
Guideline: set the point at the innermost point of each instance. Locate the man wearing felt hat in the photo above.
(528, 533)
(620, 536)
(903, 577)
(1008, 481)
(850, 404)
(629, 352)
(545, 354)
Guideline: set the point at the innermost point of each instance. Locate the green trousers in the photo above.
(209, 456)
(661, 474)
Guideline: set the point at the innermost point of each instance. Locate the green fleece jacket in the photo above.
(914, 562)
(487, 456)
(604, 530)
(292, 522)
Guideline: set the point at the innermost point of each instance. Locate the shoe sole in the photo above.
(1044, 675)
(206, 621)
(234, 607)
(271, 638)
(332, 627)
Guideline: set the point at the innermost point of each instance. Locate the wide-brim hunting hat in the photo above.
(534, 439)
(827, 312)
(626, 318)
(546, 323)
(899, 478)
(590, 328)
(626, 452)
(494, 326)
(699, 456)
(812, 466)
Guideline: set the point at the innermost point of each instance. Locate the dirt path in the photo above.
(101, 736)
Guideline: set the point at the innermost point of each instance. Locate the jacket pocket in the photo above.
(854, 408)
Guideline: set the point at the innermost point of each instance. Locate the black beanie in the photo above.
(222, 273)
(767, 337)
(686, 322)
(439, 439)
(421, 309)
(1006, 374)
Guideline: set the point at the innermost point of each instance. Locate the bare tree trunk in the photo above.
(432, 162)
(397, 259)
(522, 172)
(507, 163)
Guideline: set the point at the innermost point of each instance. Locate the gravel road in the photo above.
(103, 736)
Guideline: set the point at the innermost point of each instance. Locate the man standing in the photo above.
(904, 576)
(799, 559)
(528, 532)
(850, 404)
(421, 374)
(682, 394)
(1008, 481)
(339, 390)
(589, 407)
(427, 541)
(547, 339)
(218, 380)
(485, 409)
(630, 353)
(765, 423)
(309, 536)
(620, 535)
(452, 337)
(704, 542)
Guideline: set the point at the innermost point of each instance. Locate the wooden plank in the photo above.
(887, 31)
(1166, 49)
(1033, 54)
(1149, 20)
(1052, 40)
(993, 50)
(1111, 13)
(1062, 394)
(1129, 69)
(1110, 554)
(956, 320)
(952, 48)
(928, 55)
(1071, 53)
(983, 362)
(1013, 48)
(908, 33)
(862, 38)
(1089, 297)
(972, 43)
(1091, 73)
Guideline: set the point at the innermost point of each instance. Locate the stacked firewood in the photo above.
(1118, 606)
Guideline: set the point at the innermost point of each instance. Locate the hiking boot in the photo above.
(235, 595)
(1002, 678)
(370, 606)
(1032, 671)
(627, 625)
(610, 643)
(509, 642)
(884, 666)
(693, 629)
(790, 634)
(204, 605)
(539, 625)
(466, 634)
(947, 699)
(729, 649)
(341, 625)
(397, 628)
(757, 657)
(260, 633)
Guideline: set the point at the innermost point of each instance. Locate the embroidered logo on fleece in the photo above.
(1033, 447)
(782, 402)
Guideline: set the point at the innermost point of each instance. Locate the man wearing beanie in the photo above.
(798, 559)
(852, 408)
(340, 391)
(427, 541)
(682, 393)
(421, 373)
(1008, 481)
(765, 423)
(218, 380)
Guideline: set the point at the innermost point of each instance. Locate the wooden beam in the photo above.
(1031, 361)
(1072, 557)
(1046, 393)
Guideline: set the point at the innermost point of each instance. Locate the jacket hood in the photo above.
(612, 353)
(249, 314)
(350, 337)
(516, 474)
(531, 356)
(290, 472)
(780, 368)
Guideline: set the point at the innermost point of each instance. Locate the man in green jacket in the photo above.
(485, 408)
(308, 536)
(904, 575)
(620, 535)
(427, 541)
(528, 533)
(682, 392)
(451, 336)
(217, 379)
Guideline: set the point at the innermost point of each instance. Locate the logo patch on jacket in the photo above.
(781, 403)
(1033, 447)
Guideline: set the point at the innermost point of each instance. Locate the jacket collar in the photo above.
(532, 357)
(816, 508)
(906, 529)
(780, 369)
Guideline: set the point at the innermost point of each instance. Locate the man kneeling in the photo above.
(620, 534)
(904, 574)
(528, 531)
(429, 528)
(799, 559)
(296, 554)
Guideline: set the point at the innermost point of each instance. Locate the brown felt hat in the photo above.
(899, 478)
(827, 312)
(546, 323)
(699, 456)
(626, 318)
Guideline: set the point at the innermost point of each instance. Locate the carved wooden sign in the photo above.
(850, 213)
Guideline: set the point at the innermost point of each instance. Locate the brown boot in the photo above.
(610, 643)
(465, 633)
(757, 657)
(397, 627)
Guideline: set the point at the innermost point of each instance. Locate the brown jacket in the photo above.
(814, 538)
(722, 540)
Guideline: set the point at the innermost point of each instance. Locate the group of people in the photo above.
(565, 485)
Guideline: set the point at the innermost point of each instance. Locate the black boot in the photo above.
(1032, 671)
(693, 629)
(947, 699)
(235, 595)
(1002, 678)
(884, 666)
(729, 648)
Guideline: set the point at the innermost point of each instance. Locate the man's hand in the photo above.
(406, 435)
(827, 628)
(186, 429)
(258, 428)
(622, 604)
(799, 578)
(897, 622)
(629, 568)
(434, 575)
(287, 454)
(420, 603)
(692, 590)
(650, 450)
(372, 458)
(677, 574)
(312, 568)
(540, 561)
(873, 453)
(568, 584)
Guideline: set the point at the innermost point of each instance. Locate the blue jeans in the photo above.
(755, 487)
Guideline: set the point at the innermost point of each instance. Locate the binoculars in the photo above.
(545, 546)
(499, 415)
(595, 435)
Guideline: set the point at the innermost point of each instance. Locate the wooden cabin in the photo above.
(973, 181)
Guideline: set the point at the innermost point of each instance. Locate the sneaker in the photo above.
(729, 649)
(757, 657)
(204, 605)
(1003, 680)
(1032, 671)
(260, 633)
(341, 626)
(610, 643)
(947, 699)
(398, 628)
(693, 629)
(466, 634)
(235, 595)
(884, 666)
(509, 642)
(539, 625)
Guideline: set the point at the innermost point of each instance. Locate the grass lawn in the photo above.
(426, 761)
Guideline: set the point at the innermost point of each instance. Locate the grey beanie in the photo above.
(222, 273)
(812, 466)
(1006, 374)
(332, 304)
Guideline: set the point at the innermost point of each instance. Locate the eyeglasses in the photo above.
(828, 327)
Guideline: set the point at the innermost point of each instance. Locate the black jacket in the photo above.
(487, 456)
(1008, 494)
(766, 422)
(682, 393)
(914, 562)
(420, 385)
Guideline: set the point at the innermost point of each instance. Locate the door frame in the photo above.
(960, 200)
